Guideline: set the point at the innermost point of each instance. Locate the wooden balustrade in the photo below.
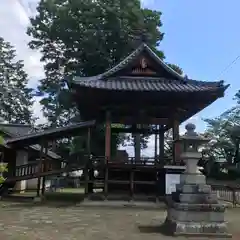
(32, 168)
(145, 161)
(95, 162)
(27, 169)
(226, 191)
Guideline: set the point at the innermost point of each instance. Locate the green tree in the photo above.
(15, 96)
(225, 134)
(175, 68)
(3, 169)
(3, 166)
(86, 37)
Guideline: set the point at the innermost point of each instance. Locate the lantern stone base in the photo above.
(194, 211)
(197, 229)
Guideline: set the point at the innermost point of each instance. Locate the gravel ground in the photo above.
(25, 221)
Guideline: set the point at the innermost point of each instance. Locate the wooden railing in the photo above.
(32, 168)
(36, 169)
(27, 169)
(144, 161)
(227, 191)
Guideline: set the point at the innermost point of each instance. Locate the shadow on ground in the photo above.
(154, 229)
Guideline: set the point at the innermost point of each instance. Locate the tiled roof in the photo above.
(19, 130)
(51, 133)
(112, 80)
(149, 84)
(15, 129)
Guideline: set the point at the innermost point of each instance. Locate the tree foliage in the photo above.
(225, 134)
(3, 166)
(15, 96)
(85, 38)
(176, 68)
(3, 169)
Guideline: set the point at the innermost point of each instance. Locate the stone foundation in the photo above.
(195, 213)
(195, 229)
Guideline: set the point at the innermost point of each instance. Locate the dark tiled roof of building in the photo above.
(14, 130)
(51, 133)
(175, 82)
(19, 130)
(151, 84)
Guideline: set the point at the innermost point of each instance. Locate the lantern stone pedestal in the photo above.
(193, 210)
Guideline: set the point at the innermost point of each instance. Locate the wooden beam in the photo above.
(136, 130)
(137, 107)
(146, 120)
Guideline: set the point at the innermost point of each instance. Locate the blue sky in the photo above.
(202, 37)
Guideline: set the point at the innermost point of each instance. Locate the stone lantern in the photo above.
(193, 210)
(191, 142)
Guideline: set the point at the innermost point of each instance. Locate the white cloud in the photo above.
(13, 25)
(37, 110)
(14, 19)
(20, 13)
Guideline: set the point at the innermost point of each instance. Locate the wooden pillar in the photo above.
(176, 145)
(44, 168)
(137, 143)
(86, 178)
(161, 144)
(40, 169)
(107, 151)
(89, 142)
(155, 145)
(106, 181)
(108, 136)
(132, 184)
(87, 165)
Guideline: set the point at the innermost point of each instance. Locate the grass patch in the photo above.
(66, 194)
(71, 190)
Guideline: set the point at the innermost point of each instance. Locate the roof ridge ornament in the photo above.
(143, 63)
(185, 78)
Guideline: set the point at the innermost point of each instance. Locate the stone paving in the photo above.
(25, 221)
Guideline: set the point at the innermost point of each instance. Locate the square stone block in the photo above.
(193, 188)
(197, 229)
(193, 179)
(201, 198)
(197, 207)
(193, 216)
